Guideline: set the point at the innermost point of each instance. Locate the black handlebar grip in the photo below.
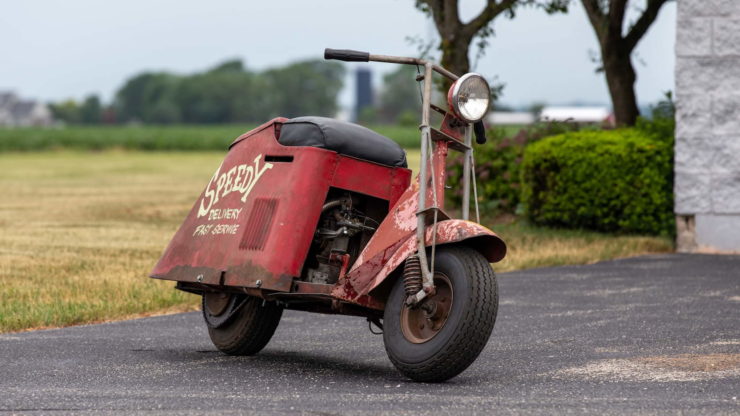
(346, 55)
(480, 132)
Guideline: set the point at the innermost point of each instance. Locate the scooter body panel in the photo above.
(253, 224)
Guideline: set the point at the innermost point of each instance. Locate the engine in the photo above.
(342, 232)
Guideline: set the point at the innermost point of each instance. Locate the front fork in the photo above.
(427, 267)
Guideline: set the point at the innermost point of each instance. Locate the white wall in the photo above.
(707, 168)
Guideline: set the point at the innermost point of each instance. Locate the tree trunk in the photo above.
(454, 58)
(621, 77)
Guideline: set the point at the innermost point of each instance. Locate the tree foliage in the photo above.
(230, 92)
(309, 87)
(223, 94)
(400, 96)
(149, 98)
(91, 111)
(456, 36)
(67, 111)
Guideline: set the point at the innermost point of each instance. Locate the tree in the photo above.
(456, 36)
(149, 97)
(607, 18)
(223, 94)
(400, 95)
(67, 111)
(303, 88)
(231, 93)
(91, 111)
(536, 108)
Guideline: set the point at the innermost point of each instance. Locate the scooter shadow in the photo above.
(303, 363)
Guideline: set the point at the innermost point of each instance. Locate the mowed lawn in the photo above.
(80, 232)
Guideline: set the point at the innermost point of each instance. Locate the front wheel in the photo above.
(440, 338)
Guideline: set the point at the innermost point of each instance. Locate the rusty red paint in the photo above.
(312, 288)
(401, 220)
(292, 189)
(364, 278)
(453, 127)
(395, 240)
(278, 207)
(386, 183)
(344, 261)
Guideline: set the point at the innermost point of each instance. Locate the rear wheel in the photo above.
(240, 324)
(440, 338)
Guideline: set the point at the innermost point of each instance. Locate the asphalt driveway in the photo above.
(653, 334)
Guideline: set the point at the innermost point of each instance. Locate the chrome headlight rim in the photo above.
(454, 103)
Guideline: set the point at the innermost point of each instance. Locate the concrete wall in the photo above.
(708, 125)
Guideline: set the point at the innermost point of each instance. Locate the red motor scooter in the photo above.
(319, 215)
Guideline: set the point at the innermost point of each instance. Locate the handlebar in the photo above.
(347, 55)
(357, 56)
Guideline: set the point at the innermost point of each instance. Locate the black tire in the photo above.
(468, 325)
(249, 330)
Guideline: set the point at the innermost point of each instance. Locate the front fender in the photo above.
(359, 282)
(477, 236)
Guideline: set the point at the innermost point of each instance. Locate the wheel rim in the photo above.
(216, 303)
(421, 323)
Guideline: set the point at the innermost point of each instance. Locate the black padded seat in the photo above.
(342, 137)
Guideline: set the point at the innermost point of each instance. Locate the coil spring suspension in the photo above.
(412, 279)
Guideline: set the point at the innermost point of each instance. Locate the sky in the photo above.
(53, 50)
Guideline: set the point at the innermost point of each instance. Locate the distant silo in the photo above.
(363, 91)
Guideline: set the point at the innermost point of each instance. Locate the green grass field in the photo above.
(152, 138)
(159, 138)
(80, 231)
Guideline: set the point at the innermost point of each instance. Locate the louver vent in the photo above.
(258, 225)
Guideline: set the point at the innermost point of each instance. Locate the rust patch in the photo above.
(366, 276)
(312, 288)
(694, 362)
(252, 275)
(277, 122)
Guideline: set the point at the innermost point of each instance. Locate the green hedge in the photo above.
(614, 181)
(497, 166)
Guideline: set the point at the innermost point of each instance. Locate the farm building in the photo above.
(15, 112)
(510, 118)
(585, 115)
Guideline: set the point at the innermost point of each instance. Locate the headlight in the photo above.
(469, 97)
